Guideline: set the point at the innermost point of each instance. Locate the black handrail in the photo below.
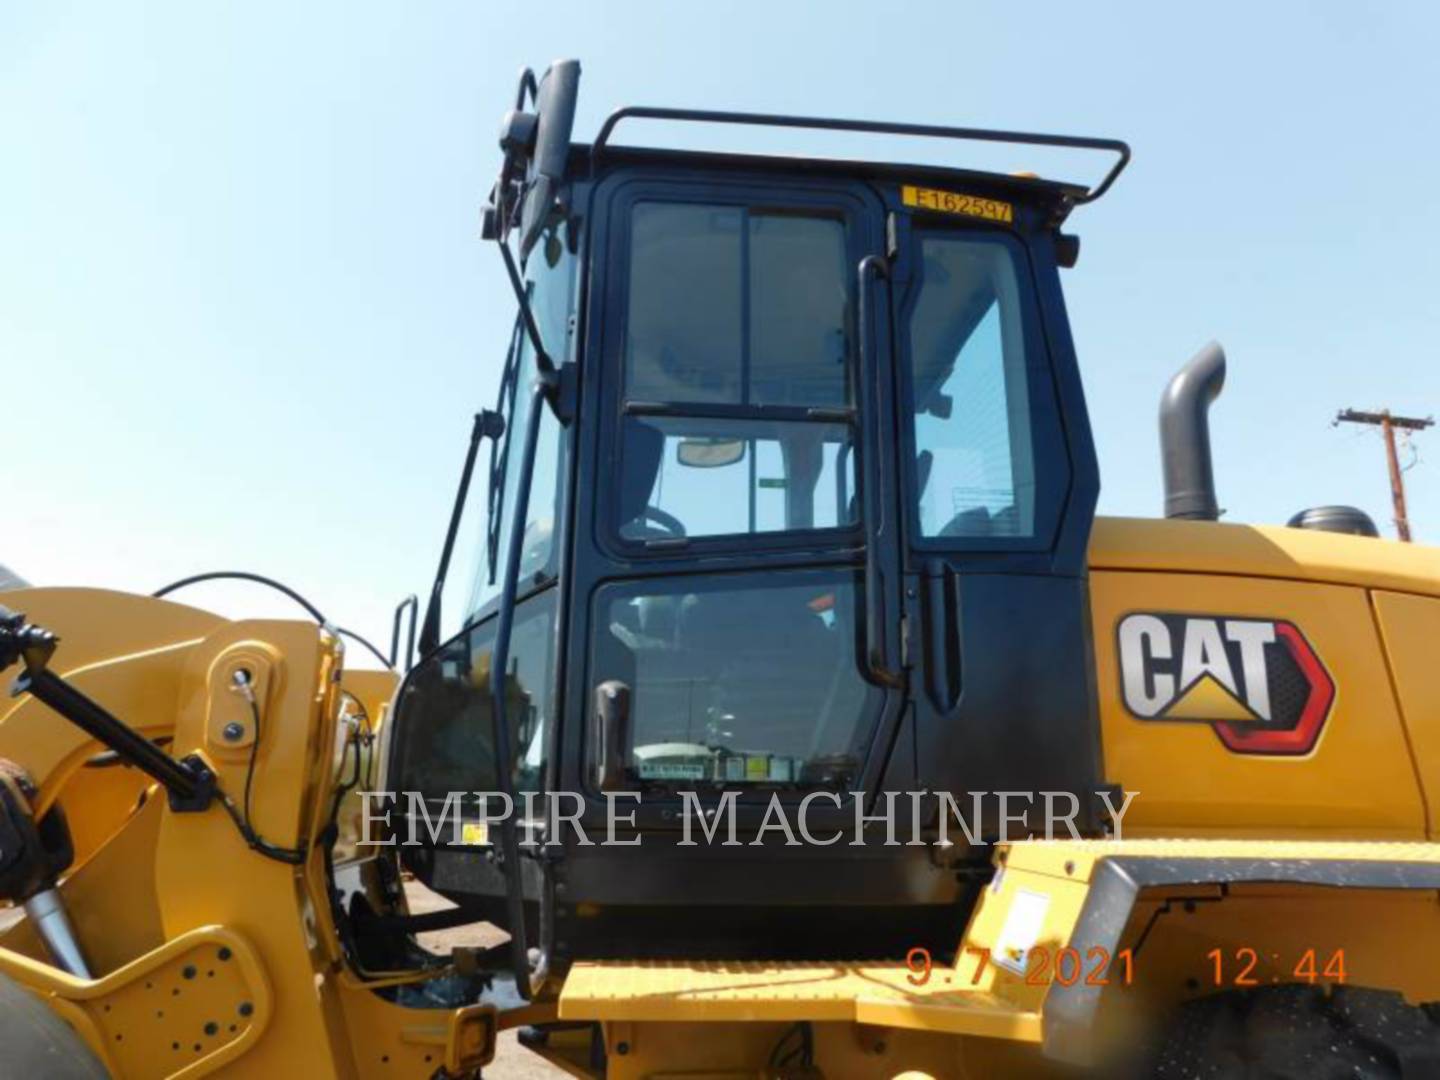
(412, 604)
(874, 127)
(877, 662)
(499, 661)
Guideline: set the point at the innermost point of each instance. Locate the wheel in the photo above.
(1300, 1033)
(37, 1043)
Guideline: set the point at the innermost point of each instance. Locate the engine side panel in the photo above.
(1220, 754)
(1410, 626)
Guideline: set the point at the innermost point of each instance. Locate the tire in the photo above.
(35, 1042)
(1301, 1033)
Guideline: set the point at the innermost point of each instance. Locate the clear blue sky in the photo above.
(245, 315)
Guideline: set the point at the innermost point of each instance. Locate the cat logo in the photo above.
(1257, 682)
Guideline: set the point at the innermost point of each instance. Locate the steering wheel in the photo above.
(667, 525)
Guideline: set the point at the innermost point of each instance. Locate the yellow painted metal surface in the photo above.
(1266, 551)
(981, 1017)
(157, 893)
(1052, 856)
(740, 1051)
(862, 993)
(98, 624)
(163, 892)
(1358, 781)
(185, 1009)
(1188, 941)
(1410, 626)
(112, 933)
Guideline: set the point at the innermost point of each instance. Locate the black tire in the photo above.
(1301, 1033)
(35, 1043)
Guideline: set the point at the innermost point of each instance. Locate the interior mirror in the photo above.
(709, 453)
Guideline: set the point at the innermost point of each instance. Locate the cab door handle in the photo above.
(942, 626)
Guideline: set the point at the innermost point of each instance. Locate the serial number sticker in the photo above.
(475, 833)
(950, 202)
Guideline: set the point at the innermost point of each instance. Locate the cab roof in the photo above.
(1059, 197)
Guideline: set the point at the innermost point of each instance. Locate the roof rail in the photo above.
(1073, 142)
(1112, 146)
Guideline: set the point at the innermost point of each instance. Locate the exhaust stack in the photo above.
(1185, 436)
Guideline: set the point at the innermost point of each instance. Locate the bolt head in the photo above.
(233, 731)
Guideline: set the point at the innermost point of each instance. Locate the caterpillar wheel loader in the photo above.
(804, 720)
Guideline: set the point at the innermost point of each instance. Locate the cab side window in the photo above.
(550, 282)
(969, 364)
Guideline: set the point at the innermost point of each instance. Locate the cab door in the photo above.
(996, 487)
(722, 583)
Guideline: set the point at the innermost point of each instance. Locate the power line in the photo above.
(1388, 424)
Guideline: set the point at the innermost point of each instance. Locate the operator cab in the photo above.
(788, 498)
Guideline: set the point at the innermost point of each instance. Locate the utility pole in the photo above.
(1387, 425)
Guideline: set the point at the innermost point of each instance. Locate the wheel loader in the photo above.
(802, 720)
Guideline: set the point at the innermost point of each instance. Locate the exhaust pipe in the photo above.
(1185, 436)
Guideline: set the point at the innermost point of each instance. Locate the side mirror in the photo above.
(555, 118)
(611, 724)
(709, 453)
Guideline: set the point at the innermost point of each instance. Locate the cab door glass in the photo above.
(737, 330)
(738, 679)
(710, 477)
(736, 306)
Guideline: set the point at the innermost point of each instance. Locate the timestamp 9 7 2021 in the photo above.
(1233, 967)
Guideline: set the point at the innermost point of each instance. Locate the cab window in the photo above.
(970, 358)
(739, 678)
(550, 283)
(737, 373)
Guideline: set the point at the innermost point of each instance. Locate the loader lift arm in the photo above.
(189, 783)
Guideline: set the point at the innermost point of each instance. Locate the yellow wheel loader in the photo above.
(802, 719)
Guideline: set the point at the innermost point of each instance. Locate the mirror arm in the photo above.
(487, 424)
(877, 663)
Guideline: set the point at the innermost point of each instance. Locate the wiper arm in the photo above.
(490, 424)
(543, 364)
(495, 494)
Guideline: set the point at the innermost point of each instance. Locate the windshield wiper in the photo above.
(543, 364)
(487, 424)
(495, 492)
